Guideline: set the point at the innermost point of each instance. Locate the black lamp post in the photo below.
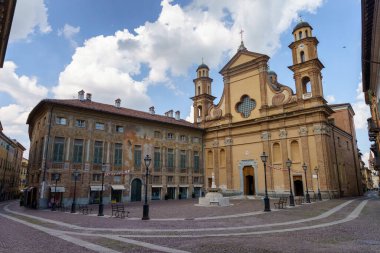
(101, 206)
(76, 174)
(316, 170)
(56, 178)
(264, 158)
(147, 161)
(291, 197)
(304, 167)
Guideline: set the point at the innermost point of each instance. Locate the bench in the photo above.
(119, 211)
(281, 202)
(85, 209)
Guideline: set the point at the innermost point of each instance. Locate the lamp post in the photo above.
(291, 197)
(304, 167)
(264, 158)
(56, 178)
(76, 174)
(101, 206)
(316, 170)
(147, 161)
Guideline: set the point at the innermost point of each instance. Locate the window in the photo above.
(59, 143)
(170, 136)
(52, 177)
(276, 152)
(137, 156)
(302, 56)
(117, 179)
(183, 180)
(196, 180)
(157, 158)
(209, 159)
(170, 179)
(98, 152)
(183, 138)
(157, 134)
(183, 159)
(196, 140)
(80, 123)
(199, 90)
(300, 35)
(295, 151)
(99, 126)
(170, 158)
(96, 177)
(196, 161)
(78, 151)
(306, 34)
(119, 129)
(60, 120)
(118, 153)
(156, 180)
(245, 106)
(222, 158)
(73, 177)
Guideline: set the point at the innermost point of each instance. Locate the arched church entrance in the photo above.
(249, 182)
(136, 190)
(298, 185)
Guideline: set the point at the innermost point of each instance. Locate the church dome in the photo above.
(202, 66)
(301, 25)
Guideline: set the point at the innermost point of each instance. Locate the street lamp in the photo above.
(264, 158)
(101, 206)
(291, 197)
(147, 161)
(76, 174)
(316, 170)
(56, 178)
(304, 167)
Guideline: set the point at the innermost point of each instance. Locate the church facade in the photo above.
(257, 114)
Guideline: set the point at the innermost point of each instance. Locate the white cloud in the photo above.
(362, 112)
(330, 98)
(178, 39)
(30, 16)
(26, 93)
(69, 32)
(23, 89)
(190, 118)
(365, 159)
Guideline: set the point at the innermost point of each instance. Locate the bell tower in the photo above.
(203, 98)
(306, 65)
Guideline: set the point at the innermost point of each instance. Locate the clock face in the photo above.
(301, 46)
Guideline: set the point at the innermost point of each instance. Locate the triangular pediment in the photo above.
(240, 58)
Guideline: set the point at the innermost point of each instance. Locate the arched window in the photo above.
(300, 35)
(199, 90)
(199, 111)
(222, 161)
(208, 89)
(276, 152)
(306, 85)
(306, 34)
(199, 73)
(302, 56)
(295, 151)
(209, 159)
(203, 73)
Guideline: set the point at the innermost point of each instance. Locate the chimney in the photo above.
(117, 103)
(88, 96)
(151, 110)
(169, 114)
(81, 95)
(177, 115)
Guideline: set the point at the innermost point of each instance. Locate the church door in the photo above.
(249, 183)
(136, 190)
(298, 186)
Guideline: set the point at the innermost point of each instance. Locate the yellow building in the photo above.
(10, 165)
(258, 114)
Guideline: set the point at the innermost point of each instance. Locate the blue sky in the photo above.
(146, 51)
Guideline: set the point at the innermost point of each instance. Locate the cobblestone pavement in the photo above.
(340, 225)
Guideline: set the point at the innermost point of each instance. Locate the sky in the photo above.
(145, 52)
